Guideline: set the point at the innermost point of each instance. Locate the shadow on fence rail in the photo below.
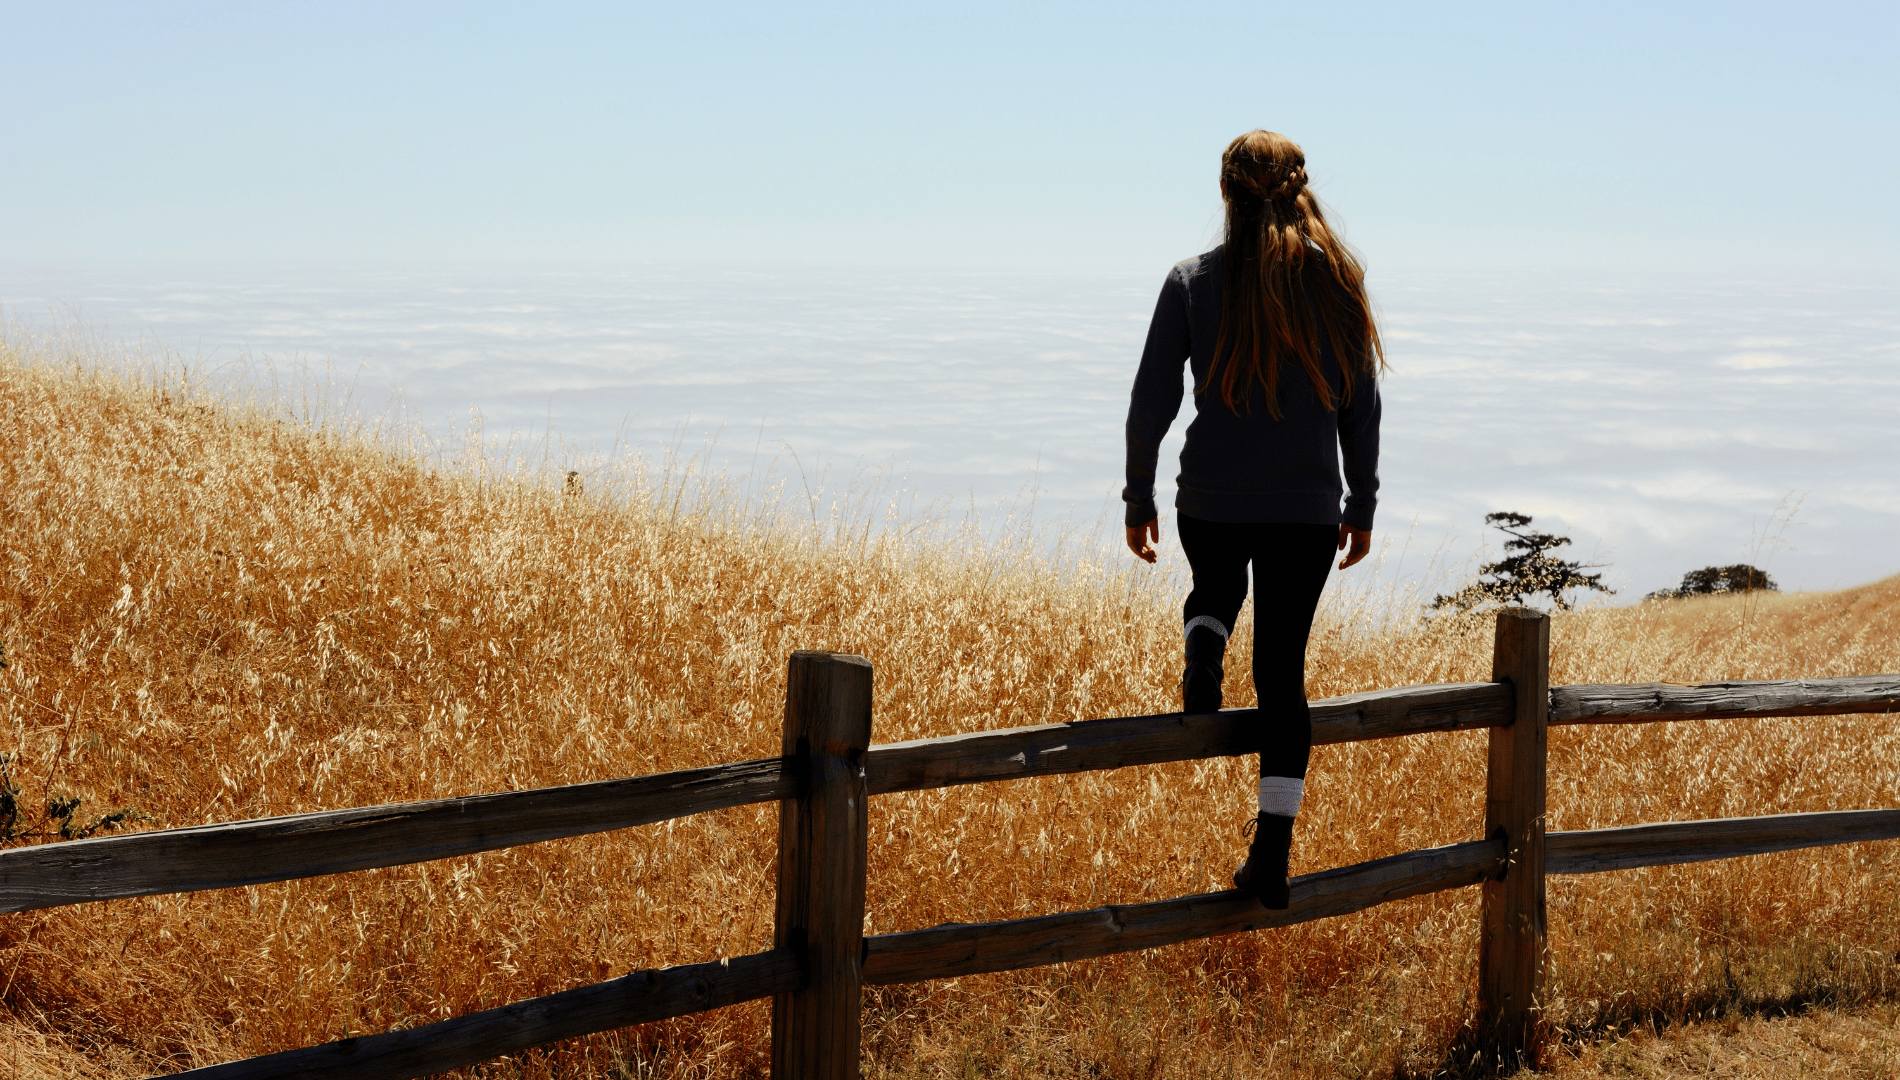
(821, 960)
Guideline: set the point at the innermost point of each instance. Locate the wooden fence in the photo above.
(820, 958)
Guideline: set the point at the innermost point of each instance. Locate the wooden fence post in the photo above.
(1511, 953)
(821, 866)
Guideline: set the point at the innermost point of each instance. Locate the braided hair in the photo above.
(1286, 279)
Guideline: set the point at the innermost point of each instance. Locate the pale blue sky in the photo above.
(1738, 139)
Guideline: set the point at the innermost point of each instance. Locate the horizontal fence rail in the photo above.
(1085, 745)
(641, 997)
(1596, 850)
(335, 841)
(1612, 703)
(958, 949)
(264, 850)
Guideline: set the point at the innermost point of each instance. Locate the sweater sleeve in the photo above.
(1359, 446)
(1156, 398)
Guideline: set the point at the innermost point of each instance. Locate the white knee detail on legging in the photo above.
(1281, 795)
(1208, 621)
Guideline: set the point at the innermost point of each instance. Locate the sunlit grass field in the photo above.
(215, 609)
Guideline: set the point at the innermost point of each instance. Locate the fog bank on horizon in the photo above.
(1661, 425)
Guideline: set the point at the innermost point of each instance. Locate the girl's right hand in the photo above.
(1139, 537)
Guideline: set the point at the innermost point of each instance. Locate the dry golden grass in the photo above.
(1862, 1044)
(215, 612)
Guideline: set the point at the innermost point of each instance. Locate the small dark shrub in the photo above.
(1739, 577)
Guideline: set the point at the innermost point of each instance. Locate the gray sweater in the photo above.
(1250, 467)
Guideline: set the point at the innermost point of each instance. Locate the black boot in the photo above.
(1264, 872)
(1200, 682)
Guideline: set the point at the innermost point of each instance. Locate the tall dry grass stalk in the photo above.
(215, 612)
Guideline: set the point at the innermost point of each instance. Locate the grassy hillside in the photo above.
(214, 612)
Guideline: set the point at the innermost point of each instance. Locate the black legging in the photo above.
(1290, 564)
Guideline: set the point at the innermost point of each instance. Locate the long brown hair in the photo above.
(1274, 296)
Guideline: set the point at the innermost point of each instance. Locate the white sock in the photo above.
(1281, 795)
(1208, 621)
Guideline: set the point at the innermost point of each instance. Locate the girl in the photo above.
(1275, 325)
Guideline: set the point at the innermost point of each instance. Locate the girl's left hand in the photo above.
(1359, 541)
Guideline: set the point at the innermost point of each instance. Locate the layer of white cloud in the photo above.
(1660, 426)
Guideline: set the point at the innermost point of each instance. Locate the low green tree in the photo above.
(1738, 577)
(1527, 570)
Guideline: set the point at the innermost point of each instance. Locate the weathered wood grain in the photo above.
(1613, 703)
(822, 851)
(1410, 710)
(1512, 934)
(1013, 753)
(958, 949)
(335, 841)
(1596, 850)
(638, 998)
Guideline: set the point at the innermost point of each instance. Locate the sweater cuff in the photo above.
(1358, 515)
(1139, 512)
